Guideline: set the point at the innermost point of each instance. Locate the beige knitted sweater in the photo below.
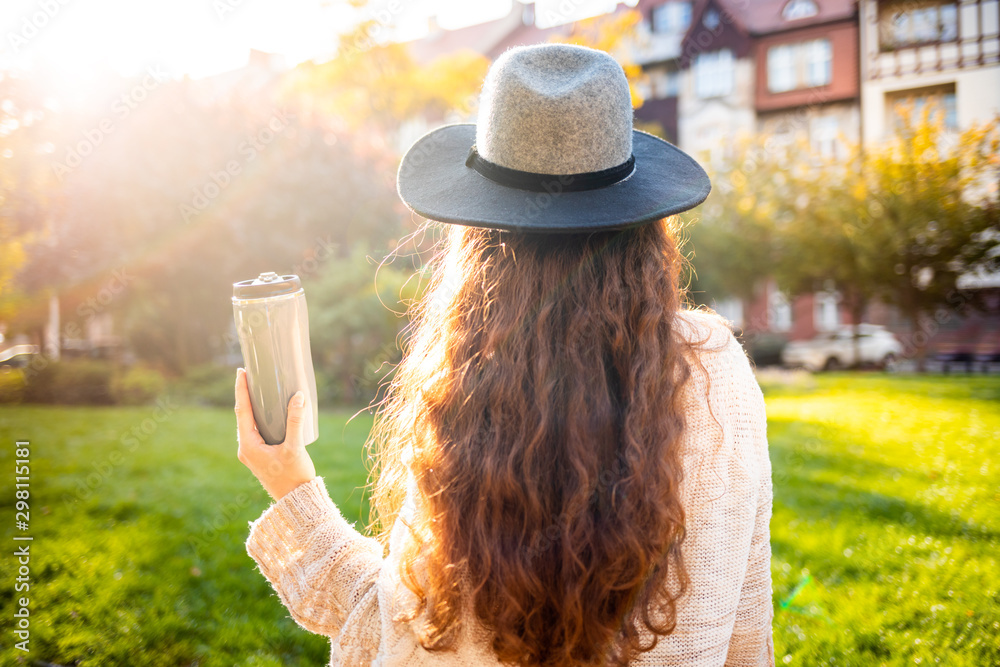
(335, 581)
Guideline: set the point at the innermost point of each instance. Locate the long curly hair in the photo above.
(537, 407)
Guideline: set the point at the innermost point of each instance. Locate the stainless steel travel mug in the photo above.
(273, 327)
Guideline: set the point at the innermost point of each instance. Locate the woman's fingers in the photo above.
(246, 426)
(296, 414)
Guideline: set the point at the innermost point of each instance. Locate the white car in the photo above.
(835, 350)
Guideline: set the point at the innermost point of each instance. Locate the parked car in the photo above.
(835, 350)
(17, 356)
(764, 347)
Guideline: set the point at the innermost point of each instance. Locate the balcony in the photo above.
(902, 40)
(655, 47)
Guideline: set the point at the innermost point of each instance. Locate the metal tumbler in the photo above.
(273, 327)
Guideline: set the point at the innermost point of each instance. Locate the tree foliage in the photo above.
(900, 222)
(612, 33)
(357, 307)
(378, 86)
(25, 183)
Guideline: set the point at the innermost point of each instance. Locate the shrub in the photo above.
(71, 382)
(11, 385)
(208, 384)
(138, 385)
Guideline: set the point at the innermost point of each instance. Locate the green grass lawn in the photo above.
(885, 533)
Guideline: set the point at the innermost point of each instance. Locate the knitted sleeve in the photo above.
(751, 643)
(323, 570)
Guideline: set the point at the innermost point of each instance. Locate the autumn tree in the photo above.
(731, 239)
(24, 181)
(929, 202)
(900, 222)
(822, 241)
(381, 85)
(614, 33)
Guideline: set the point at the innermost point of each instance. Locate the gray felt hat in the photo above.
(553, 151)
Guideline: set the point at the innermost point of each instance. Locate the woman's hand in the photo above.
(280, 468)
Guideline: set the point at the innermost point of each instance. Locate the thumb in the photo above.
(296, 410)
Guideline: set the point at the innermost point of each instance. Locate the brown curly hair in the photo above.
(538, 407)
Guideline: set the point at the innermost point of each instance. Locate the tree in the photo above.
(901, 222)
(613, 33)
(825, 240)
(732, 236)
(24, 181)
(356, 313)
(930, 200)
(379, 86)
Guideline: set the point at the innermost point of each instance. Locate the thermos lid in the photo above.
(265, 285)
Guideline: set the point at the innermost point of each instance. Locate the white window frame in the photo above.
(779, 311)
(799, 65)
(799, 9)
(671, 17)
(780, 68)
(730, 308)
(945, 99)
(913, 26)
(819, 62)
(714, 74)
(663, 84)
(711, 19)
(826, 314)
(824, 136)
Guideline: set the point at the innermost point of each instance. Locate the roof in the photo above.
(525, 35)
(481, 37)
(491, 38)
(494, 37)
(761, 17)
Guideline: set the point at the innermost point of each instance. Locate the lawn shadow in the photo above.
(801, 480)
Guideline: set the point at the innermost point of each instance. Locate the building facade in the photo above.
(717, 77)
(947, 53)
(827, 72)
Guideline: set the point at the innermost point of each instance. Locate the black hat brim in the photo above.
(434, 182)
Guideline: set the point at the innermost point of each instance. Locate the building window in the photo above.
(662, 84)
(780, 68)
(827, 315)
(711, 19)
(672, 17)
(914, 102)
(825, 136)
(819, 62)
(799, 9)
(779, 311)
(731, 309)
(713, 73)
(644, 87)
(672, 84)
(913, 23)
(802, 65)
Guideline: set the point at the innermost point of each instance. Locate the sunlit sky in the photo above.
(202, 37)
(76, 38)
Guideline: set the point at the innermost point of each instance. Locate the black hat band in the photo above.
(526, 180)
